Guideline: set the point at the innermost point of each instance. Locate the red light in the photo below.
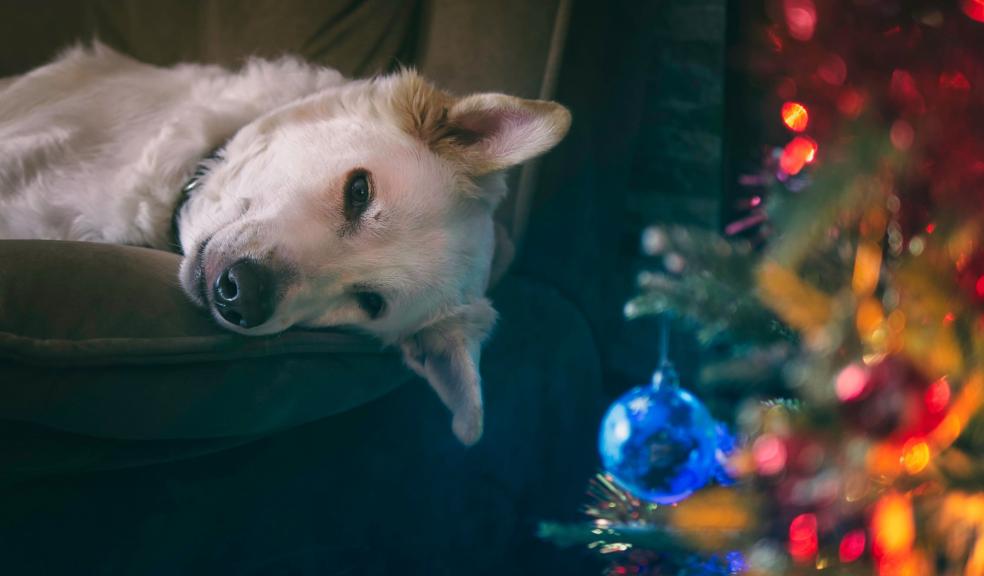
(852, 546)
(954, 81)
(937, 396)
(850, 103)
(906, 91)
(974, 9)
(798, 153)
(833, 71)
(902, 135)
(801, 18)
(949, 318)
(795, 116)
(774, 39)
(850, 382)
(803, 537)
(770, 455)
(930, 228)
(786, 89)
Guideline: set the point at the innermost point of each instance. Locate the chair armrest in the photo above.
(99, 339)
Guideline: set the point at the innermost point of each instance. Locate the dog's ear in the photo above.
(482, 133)
(496, 131)
(446, 353)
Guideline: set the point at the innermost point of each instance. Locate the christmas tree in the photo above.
(849, 298)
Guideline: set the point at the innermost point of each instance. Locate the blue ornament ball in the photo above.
(659, 442)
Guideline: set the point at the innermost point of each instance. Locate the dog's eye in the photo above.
(371, 303)
(358, 194)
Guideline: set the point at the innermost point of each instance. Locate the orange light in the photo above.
(798, 153)
(869, 316)
(795, 116)
(915, 456)
(908, 564)
(867, 268)
(803, 541)
(892, 528)
(884, 459)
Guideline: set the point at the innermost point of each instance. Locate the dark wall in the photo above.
(645, 82)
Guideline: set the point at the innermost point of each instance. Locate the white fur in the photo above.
(96, 146)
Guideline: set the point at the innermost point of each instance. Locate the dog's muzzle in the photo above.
(245, 294)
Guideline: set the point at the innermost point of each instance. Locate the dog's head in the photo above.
(367, 206)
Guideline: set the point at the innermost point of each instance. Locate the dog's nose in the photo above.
(244, 293)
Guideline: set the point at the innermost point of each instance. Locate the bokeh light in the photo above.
(974, 9)
(902, 135)
(954, 81)
(937, 396)
(833, 70)
(892, 529)
(915, 456)
(852, 546)
(801, 18)
(797, 154)
(850, 382)
(795, 116)
(850, 103)
(770, 454)
(803, 541)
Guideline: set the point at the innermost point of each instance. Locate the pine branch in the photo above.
(803, 221)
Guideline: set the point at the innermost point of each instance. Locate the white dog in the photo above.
(297, 196)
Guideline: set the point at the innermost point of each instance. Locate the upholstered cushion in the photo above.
(99, 339)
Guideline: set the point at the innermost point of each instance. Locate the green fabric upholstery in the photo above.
(99, 339)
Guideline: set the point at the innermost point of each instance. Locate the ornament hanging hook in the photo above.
(665, 374)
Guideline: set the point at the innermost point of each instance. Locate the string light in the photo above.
(850, 103)
(915, 456)
(852, 546)
(937, 396)
(974, 9)
(892, 529)
(833, 71)
(795, 116)
(801, 18)
(770, 454)
(850, 382)
(902, 135)
(803, 541)
(954, 81)
(798, 153)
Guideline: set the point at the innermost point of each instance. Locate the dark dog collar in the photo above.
(192, 184)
